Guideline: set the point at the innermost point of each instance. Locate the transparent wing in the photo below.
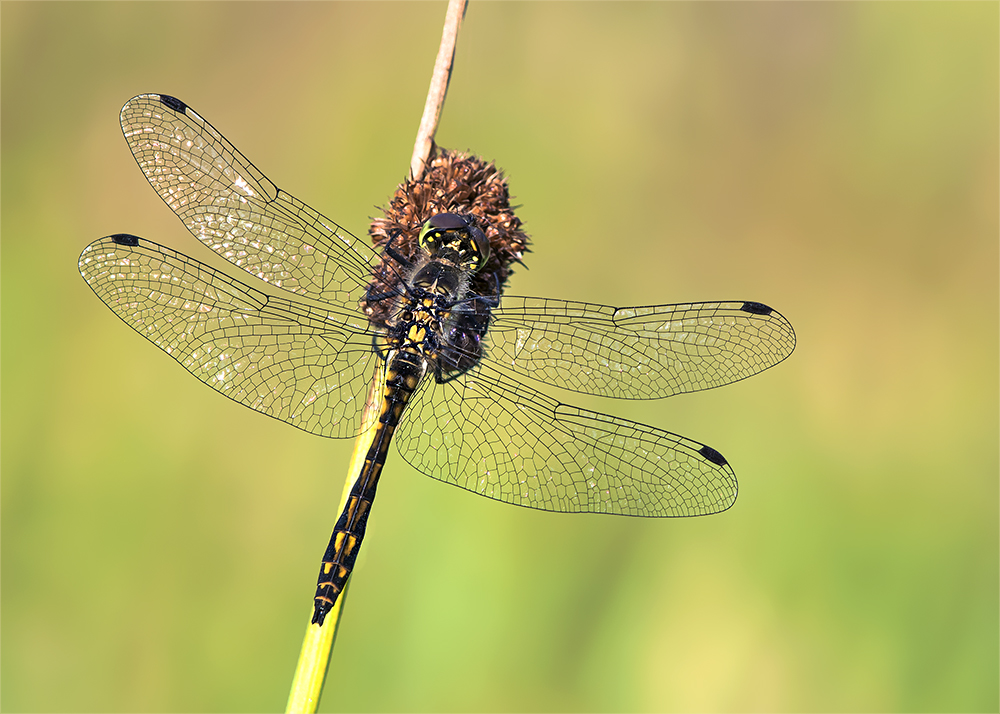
(636, 352)
(305, 366)
(501, 439)
(234, 209)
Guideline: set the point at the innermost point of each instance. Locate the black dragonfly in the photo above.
(448, 359)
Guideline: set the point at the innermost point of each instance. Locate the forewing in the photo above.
(637, 352)
(231, 207)
(489, 434)
(304, 366)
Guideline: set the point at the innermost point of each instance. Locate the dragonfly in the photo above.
(458, 369)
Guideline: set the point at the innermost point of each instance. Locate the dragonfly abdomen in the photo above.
(403, 374)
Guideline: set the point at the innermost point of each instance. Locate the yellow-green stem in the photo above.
(310, 673)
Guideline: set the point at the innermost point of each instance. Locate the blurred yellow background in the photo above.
(838, 161)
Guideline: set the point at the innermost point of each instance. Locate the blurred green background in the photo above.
(837, 161)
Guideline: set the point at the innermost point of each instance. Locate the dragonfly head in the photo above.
(449, 236)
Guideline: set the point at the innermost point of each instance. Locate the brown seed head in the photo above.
(453, 182)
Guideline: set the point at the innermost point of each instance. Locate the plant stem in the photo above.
(314, 659)
(438, 89)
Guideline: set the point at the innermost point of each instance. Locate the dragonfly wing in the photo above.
(501, 439)
(637, 352)
(305, 366)
(234, 209)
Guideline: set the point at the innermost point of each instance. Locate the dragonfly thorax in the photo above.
(441, 279)
(436, 314)
(437, 319)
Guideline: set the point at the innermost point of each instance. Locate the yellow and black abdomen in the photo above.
(404, 371)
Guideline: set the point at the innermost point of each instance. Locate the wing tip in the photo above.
(759, 308)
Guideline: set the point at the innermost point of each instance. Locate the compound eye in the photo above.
(446, 221)
(481, 246)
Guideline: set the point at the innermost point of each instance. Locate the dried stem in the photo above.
(438, 89)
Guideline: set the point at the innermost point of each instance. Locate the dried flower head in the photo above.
(453, 182)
